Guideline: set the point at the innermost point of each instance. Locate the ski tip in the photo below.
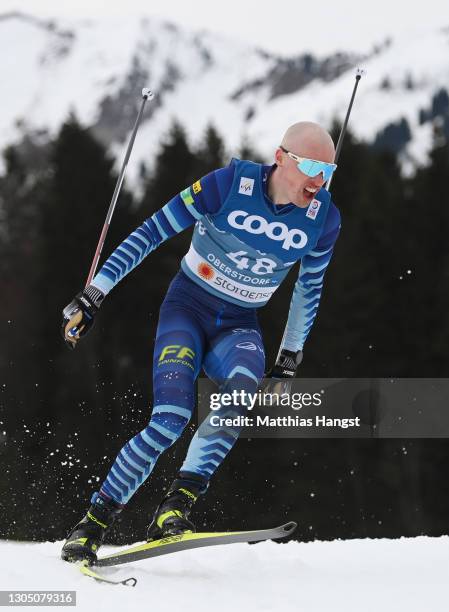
(288, 528)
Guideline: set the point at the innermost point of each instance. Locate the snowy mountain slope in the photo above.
(98, 68)
(406, 575)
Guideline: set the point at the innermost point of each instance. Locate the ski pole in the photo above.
(359, 73)
(146, 95)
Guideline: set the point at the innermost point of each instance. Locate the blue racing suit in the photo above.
(243, 246)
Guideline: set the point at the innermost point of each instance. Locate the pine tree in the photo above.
(211, 153)
(23, 189)
(173, 171)
(425, 298)
(70, 221)
(248, 151)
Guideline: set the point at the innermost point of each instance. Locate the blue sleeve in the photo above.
(307, 292)
(204, 196)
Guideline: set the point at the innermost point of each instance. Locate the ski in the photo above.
(88, 571)
(188, 541)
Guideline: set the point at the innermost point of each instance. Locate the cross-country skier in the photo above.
(252, 223)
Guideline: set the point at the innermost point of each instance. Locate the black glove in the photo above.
(282, 372)
(286, 365)
(78, 316)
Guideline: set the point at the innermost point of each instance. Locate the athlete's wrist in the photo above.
(286, 364)
(92, 295)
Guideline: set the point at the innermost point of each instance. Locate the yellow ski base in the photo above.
(188, 541)
(88, 571)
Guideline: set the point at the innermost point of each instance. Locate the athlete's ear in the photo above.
(278, 157)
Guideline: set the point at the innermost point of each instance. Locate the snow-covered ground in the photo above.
(75, 64)
(405, 575)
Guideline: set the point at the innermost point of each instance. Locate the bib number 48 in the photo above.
(263, 265)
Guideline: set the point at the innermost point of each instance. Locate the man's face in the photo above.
(297, 187)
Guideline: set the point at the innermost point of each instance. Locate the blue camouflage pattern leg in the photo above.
(235, 361)
(177, 360)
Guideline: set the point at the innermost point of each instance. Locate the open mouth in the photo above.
(309, 194)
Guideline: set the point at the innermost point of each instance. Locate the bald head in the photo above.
(287, 183)
(308, 139)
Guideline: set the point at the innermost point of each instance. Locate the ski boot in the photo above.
(171, 516)
(84, 540)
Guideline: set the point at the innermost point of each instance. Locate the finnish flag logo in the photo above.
(246, 186)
